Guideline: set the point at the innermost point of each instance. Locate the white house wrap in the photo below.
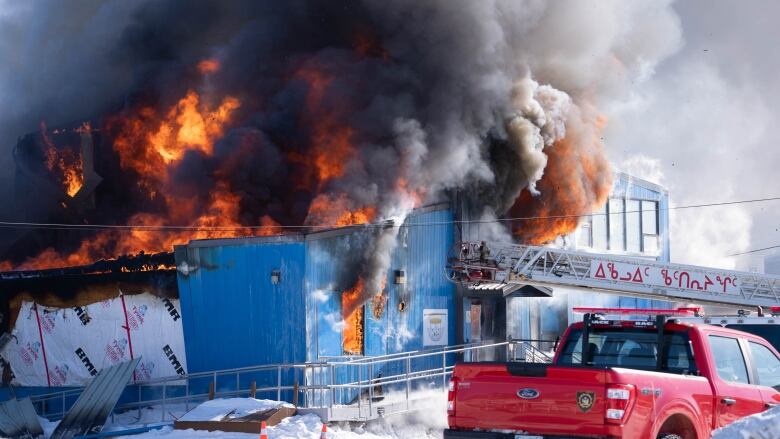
(67, 346)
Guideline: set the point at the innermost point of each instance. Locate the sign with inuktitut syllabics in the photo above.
(709, 281)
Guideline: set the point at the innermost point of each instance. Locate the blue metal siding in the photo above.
(430, 237)
(421, 252)
(331, 263)
(233, 315)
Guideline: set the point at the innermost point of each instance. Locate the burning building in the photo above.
(272, 124)
(293, 298)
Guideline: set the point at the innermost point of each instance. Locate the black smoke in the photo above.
(441, 95)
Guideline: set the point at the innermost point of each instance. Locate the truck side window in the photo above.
(767, 364)
(678, 356)
(729, 360)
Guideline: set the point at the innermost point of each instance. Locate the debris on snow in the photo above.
(230, 408)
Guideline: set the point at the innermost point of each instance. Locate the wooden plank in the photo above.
(246, 424)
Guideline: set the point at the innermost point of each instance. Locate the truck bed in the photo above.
(556, 401)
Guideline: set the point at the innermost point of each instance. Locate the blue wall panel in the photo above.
(233, 315)
(426, 242)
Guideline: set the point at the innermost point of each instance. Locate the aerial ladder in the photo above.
(472, 264)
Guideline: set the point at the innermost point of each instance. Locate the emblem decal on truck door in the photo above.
(528, 393)
(585, 401)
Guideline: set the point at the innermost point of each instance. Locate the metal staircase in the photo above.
(544, 266)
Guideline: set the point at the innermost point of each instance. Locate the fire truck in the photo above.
(624, 382)
(621, 373)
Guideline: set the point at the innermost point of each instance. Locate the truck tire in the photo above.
(669, 436)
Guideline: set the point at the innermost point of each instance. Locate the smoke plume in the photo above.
(249, 113)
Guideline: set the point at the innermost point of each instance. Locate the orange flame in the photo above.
(149, 145)
(576, 181)
(336, 211)
(352, 335)
(66, 166)
(331, 141)
(208, 66)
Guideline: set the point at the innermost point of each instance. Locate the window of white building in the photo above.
(617, 231)
(633, 226)
(599, 229)
(650, 241)
(623, 225)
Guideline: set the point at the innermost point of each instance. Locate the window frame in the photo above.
(642, 228)
(756, 377)
(588, 226)
(746, 359)
(612, 243)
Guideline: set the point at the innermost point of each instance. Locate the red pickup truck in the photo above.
(653, 378)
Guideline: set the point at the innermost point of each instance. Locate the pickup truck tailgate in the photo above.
(541, 399)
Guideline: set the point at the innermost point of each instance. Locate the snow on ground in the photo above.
(309, 427)
(764, 425)
(426, 423)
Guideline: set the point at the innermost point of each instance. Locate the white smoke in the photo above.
(708, 148)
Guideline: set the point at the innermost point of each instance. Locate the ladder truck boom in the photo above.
(546, 266)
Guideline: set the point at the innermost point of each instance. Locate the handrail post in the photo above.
(238, 382)
(278, 383)
(408, 383)
(444, 370)
(360, 389)
(332, 384)
(139, 403)
(323, 386)
(165, 384)
(370, 390)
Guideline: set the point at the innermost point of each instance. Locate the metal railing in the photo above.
(342, 388)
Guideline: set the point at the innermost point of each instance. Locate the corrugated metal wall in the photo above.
(425, 245)
(233, 314)
(421, 253)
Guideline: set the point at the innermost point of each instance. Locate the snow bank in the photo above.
(764, 425)
(230, 408)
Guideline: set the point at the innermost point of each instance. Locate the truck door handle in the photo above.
(728, 401)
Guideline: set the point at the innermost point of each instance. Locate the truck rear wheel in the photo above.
(669, 436)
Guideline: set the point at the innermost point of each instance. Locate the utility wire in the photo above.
(164, 228)
(755, 251)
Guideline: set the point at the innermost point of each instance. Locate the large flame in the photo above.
(331, 145)
(66, 165)
(576, 181)
(352, 335)
(150, 144)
